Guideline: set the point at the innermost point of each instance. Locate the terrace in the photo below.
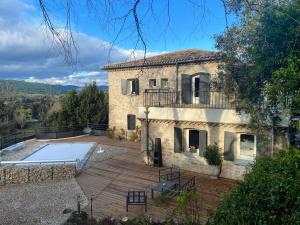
(109, 180)
(107, 177)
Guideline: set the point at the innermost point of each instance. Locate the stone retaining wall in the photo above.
(35, 174)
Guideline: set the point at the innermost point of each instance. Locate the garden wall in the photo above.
(35, 174)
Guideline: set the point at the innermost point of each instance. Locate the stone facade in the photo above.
(35, 174)
(215, 121)
(121, 105)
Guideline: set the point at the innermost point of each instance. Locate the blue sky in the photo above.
(28, 51)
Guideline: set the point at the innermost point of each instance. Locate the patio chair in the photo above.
(169, 174)
(135, 197)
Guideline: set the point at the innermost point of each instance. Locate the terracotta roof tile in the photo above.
(183, 56)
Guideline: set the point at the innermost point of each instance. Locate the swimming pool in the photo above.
(63, 151)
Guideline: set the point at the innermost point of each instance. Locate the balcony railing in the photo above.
(171, 98)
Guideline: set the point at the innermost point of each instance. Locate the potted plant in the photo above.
(193, 149)
(213, 156)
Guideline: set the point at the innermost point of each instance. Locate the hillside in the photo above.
(37, 88)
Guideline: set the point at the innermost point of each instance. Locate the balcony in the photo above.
(176, 99)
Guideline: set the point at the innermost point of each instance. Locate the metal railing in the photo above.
(14, 138)
(171, 98)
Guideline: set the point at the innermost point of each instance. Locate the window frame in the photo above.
(243, 157)
(167, 82)
(151, 86)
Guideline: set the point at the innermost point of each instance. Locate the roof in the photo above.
(182, 56)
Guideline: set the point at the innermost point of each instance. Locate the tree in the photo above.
(261, 58)
(93, 105)
(22, 115)
(68, 116)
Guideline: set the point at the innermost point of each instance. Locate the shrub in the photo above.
(187, 210)
(269, 193)
(213, 156)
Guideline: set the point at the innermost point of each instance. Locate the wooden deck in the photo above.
(108, 182)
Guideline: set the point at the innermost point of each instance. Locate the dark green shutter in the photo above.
(124, 86)
(130, 122)
(202, 141)
(186, 89)
(177, 139)
(136, 86)
(204, 88)
(229, 145)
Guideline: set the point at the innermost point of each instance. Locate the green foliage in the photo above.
(261, 54)
(21, 115)
(187, 210)
(139, 220)
(212, 154)
(78, 109)
(269, 193)
(93, 105)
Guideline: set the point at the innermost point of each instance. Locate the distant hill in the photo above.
(37, 88)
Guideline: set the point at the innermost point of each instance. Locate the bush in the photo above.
(187, 210)
(212, 154)
(269, 193)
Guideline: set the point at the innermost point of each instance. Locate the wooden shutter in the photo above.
(202, 141)
(186, 89)
(136, 86)
(204, 88)
(124, 86)
(229, 145)
(177, 139)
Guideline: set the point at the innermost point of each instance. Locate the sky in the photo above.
(102, 35)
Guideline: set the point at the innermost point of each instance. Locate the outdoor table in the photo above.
(163, 186)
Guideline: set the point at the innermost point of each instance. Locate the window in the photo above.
(196, 141)
(164, 83)
(130, 122)
(130, 86)
(247, 146)
(152, 83)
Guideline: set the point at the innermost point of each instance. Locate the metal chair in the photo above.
(135, 197)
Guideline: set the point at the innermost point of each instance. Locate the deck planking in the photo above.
(109, 180)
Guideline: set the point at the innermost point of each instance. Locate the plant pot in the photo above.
(214, 172)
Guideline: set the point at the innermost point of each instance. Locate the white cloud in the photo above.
(28, 52)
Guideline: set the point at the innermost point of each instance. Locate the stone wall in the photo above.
(121, 105)
(193, 162)
(35, 174)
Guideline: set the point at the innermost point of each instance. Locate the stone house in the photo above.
(183, 108)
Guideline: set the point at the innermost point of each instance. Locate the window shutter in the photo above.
(229, 145)
(124, 86)
(130, 122)
(202, 141)
(186, 89)
(204, 88)
(263, 145)
(177, 139)
(136, 86)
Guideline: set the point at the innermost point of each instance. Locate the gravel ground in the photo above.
(39, 204)
(43, 204)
